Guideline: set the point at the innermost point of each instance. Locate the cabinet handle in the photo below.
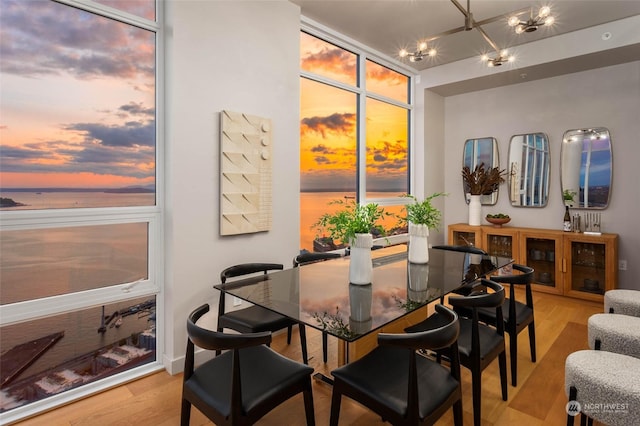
(564, 265)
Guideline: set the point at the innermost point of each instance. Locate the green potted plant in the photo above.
(481, 181)
(420, 217)
(568, 197)
(353, 224)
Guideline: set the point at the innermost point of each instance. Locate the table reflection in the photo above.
(319, 294)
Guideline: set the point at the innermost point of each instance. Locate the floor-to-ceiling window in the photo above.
(355, 114)
(80, 217)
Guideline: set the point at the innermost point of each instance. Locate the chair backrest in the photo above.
(313, 257)
(214, 340)
(492, 299)
(248, 268)
(476, 299)
(524, 278)
(436, 338)
(464, 249)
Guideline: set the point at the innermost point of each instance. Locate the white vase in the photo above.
(418, 283)
(475, 210)
(418, 243)
(360, 299)
(360, 266)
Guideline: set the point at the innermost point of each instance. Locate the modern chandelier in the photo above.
(419, 54)
(543, 18)
(501, 56)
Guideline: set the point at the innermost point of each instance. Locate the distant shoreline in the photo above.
(128, 190)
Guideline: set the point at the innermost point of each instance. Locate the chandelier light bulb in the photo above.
(550, 20)
(403, 53)
(422, 46)
(519, 29)
(432, 52)
(513, 21)
(544, 12)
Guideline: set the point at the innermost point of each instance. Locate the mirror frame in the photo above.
(573, 142)
(477, 156)
(539, 198)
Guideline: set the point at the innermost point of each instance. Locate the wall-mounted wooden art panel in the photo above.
(245, 173)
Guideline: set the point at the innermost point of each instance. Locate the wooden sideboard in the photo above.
(566, 263)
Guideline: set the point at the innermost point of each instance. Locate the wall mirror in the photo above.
(476, 152)
(528, 172)
(586, 168)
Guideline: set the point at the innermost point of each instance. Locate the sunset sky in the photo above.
(78, 97)
(328, 132)
(77, 107)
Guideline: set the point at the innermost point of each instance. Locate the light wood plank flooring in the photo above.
(539, 398)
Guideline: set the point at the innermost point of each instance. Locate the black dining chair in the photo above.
(306, 258)
(400, 385)
(255, 319)
(464, 249)
(479, 344)
(517, 315)
(244, 383)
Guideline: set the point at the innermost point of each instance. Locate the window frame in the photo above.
(363, 54)
(15, 313)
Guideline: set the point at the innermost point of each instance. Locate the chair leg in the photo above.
(513, 354)
(336, 398)
(324, 346)
(185, 413)
(303, 342)
(218, 352)
(289, 329)
(308, 403)
(573, 392)
(476, 385)
(532, 341)
(502, 361)
(457, 413)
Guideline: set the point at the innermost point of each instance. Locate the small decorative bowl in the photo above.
(498, 221)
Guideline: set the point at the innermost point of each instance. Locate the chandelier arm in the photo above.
(488, 39)
(444, 33)
(501, 17)
(460, 8)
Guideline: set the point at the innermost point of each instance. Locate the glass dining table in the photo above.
(319, 295)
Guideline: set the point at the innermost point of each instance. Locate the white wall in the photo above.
(607, 97)
(240, 56)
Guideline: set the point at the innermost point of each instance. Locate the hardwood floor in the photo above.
(539, 398)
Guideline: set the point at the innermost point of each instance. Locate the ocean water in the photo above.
(46, 262)
(42, 199)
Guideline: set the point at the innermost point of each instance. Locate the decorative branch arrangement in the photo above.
(482, 181)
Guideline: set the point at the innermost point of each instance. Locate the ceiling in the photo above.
(387, 26)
